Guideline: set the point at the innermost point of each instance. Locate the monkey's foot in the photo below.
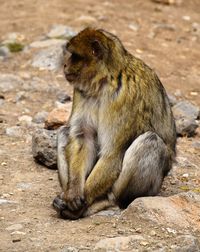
(63, 211)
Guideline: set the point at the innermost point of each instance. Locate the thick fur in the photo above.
(121, 136)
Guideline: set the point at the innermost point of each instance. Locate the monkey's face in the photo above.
(86, 59)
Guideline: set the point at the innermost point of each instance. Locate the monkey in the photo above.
(120, 140)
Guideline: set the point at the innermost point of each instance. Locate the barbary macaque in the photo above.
(120, 140)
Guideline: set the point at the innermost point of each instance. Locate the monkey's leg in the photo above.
(62, 140)
(144, 166)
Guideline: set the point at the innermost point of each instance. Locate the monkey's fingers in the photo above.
(76, 204)
(59, 204)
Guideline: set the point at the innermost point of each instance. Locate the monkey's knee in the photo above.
(145, 164)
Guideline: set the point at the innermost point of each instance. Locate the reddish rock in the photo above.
(57, 117)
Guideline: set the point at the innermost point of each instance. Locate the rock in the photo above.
(69, 249)
(16, 131)
(185, 109)
(4, 51)
(44, 147)
(20, 96)
(185, 115)
(57, 117)
(48, 43)
(172, 99)
(196, 145)
(174, 211)
(5, 201)
(25, 120)
(14, 227)
(63, 97)
(49, 59)
(185, 243)
(61, 31)
(186, 127)
(13, 37)
(134, 27)
(9, 82)
(119, 243)
(24, 186)
(40, 117)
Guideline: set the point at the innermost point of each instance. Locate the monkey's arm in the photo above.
(102, 177)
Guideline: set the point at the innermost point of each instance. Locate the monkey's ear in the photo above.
(97, 49)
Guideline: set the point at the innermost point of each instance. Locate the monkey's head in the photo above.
(94, 54)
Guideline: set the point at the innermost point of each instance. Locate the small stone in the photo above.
(57, 117)
(186, 18)
(171, 231)
(186, 127)
(49, 59)
(3, 164)
(185, 109)
(44, 147)
(14, 227)
(172, 99)
(13, 37)
(61, 31)
(25, 119)
(196, 145)
(4, 51)
(185, 175)
(16, 131)
(144, 243)
(24, 186)
(194, 93)
(40, 117)
(5, 201)
(20, 96)
(63, 97)
(152, 233)
(134, 27)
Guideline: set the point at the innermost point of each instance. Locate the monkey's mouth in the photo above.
(70, 76)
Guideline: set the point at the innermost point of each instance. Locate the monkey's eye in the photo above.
(76, 57)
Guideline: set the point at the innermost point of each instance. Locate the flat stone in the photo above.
(174, 211)
(5, 201)
(14, 227)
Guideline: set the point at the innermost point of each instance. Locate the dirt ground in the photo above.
(173, 50)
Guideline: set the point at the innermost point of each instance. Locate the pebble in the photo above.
(185, 109)
(40, 117)
(5, 201)
(4, 51)
(16, 131)
(14, 227)
(25, 119)
(63, 97)
(134, 27)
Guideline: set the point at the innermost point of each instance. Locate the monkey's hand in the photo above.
(61, 207)
(74, 200)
